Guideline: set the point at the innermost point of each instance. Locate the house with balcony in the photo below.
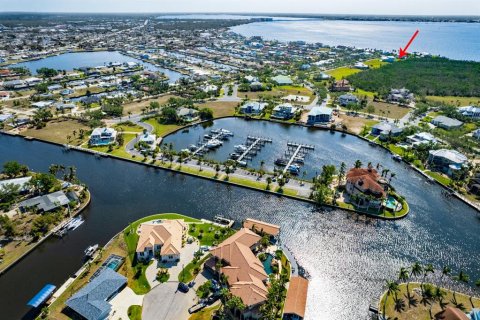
(365, 188)
(319, 115)
(346, 99)
(284, 111)
(446, 161)
(102, 137)
(253, 107)
(471, 112)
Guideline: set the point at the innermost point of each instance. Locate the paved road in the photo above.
(164, 302)
(233, 98)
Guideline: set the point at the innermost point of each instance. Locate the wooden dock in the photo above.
(294, 149)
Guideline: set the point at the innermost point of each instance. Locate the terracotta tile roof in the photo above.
(168, 234)
(268, 228)
(366, 180)
(244, 271)
(296, 300)
(451, 313)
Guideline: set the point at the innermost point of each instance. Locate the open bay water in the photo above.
(455, 40)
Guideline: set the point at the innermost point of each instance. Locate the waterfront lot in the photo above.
(355, 124)
(162, 130)
(220, 108)
(140, 106)
(58, 131)
(279, 92)
(389, 110)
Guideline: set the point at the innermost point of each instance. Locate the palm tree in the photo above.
(461, 277)
(358, 164)
(477, 285)
(392, 289)
(426, 270)
(438, 295)
(403, 276)
(445, 272)
(416, 269)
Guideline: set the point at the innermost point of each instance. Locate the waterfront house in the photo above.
(45, 203)
(282, 80)
(102, 137)
(14, 84)
(5, 117)
(245, 273)
(471, 112)
(347, 99)
(446, 123)
(253, 107)
(421, 138)
(261, 227)
(385, 130)
(284, 111)
(365, 187)
(22, 183)
(400, 96)
(187, 114)
(162, 238)
(319, 115)
(296, 300)
(149, 140)
(341, 86)
(42, 104)
(446, 161)
(64, 106)
(92, 301)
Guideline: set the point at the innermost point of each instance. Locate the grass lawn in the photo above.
(279, 92)
(135, 312)
(58, 130)
(439, 177)
(187, 274)
(248, 182)
(82, 92)
(455, 101)
(203, 173)
(136, 107)
(128, 127)
(13, 250)
(362, 93)
(419, 310)
(118, 151)
(355, 124)
(393, 111)
(162, 130)
(287, 191)
(375, 63)
(208, 234)
(342, 72)
(205, 314)
(220, 108)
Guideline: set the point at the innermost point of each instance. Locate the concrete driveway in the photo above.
(174, 269)
(164, 302)
(122, 301)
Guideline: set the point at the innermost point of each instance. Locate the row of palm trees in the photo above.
(431, 294)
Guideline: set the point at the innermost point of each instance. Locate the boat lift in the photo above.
(254, 144)
(296, 152)
(203, 145)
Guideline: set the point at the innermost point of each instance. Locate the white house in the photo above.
(149, 139)
(103, 136)
(253, 107)
(209, 88)
(360, 65)
(471, 112)
(421, 138)
(446, 161)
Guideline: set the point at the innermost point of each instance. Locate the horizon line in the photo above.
(241, 13)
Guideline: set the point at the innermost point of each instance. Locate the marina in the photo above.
(296, 153)
(251, 147)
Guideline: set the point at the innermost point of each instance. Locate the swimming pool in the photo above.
(391, 203)
(113, 262)
(267, 264)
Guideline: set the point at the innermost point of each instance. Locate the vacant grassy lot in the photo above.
(342, 72)
(137, 107)
(393, 111)
(220, 108)
(128, 127)
(355, 124)
(439, 177)
(455, 101)
(375, 63)
(279, 92)
(58, 130)
(420, 310)
(162, 130)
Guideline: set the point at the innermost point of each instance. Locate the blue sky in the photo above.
(412, 7)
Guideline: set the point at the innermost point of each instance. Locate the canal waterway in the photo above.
(348, 256)
(75, 60)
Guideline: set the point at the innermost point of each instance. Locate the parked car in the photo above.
(196, 308)
(191, 284)
(204, 248)
(182, 287)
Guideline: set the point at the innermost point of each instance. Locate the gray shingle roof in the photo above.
(47, 202)
(91, 302)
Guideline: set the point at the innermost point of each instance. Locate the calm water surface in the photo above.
(453, 40)
(348, 256)
(70, 61)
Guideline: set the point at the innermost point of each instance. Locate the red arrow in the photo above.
(403, 52)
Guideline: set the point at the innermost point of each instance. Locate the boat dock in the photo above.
(216, 135)
(296, 152)
(254, 144)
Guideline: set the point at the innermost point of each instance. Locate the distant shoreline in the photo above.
(351, 17)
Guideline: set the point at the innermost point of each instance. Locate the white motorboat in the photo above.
(91, 250)
(240, 148)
